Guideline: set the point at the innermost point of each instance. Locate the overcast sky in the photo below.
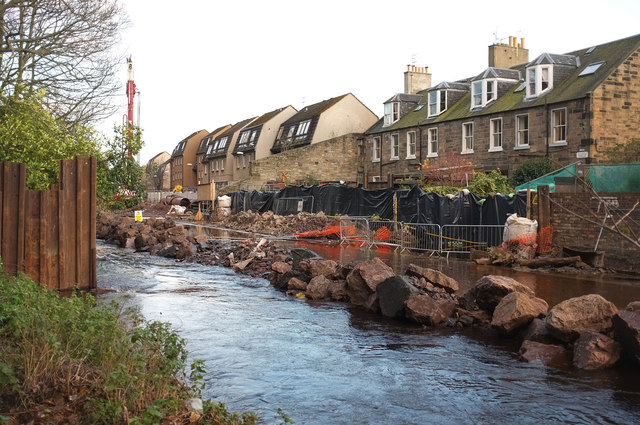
(201, 64)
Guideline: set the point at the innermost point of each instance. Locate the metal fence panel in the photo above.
(463, 238)
(354, 230)
(421, 237)
(294, 205)
(385, 233)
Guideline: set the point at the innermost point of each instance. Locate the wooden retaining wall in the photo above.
(50, 234)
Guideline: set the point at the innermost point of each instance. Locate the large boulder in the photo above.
(363, 280)
(434, 276)
(281, 281)
(318, 288)
(567, 320)
(425, 310)
(594, 351)
(338, 290)
(489, 291)
(296, 284)
(516, 310)
(393, 292)
(318, 267)
(537, 331)
(626, 324)
(299, 254)
(546, 354)
(280, 267)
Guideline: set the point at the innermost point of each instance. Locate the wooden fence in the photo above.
(50, 234)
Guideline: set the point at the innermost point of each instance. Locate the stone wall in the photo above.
(616, 107)
(575, 232)
(331, 160)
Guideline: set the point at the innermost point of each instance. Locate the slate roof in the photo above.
(257, 126)
(222, 151)
(179, 149)
(204, 143)
(405, 97)
(572, 87)
(509, 74)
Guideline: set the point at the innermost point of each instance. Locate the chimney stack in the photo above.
(507, 55)
(416, 79)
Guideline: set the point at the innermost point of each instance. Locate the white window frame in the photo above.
(376, 149)
(391, 113)
(558, 127)
(495, 135)
(466, 137)
(440, 104)
(480, 93)
(394, 140)
(222, 143)
(253, 135)
(536, 80)
(244, 136)
(432, 134)
(303, 129)
(522, 133)
(411, 144)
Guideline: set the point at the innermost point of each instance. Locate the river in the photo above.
(327, 363)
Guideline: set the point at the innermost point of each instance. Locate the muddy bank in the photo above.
(588, 332)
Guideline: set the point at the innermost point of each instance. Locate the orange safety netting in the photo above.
(545, 237)
(330, 230)
(383, 234)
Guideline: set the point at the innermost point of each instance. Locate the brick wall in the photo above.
(572, 231)
(331, 160)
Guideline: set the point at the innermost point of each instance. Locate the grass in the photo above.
(70, 360)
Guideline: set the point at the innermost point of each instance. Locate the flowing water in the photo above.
(326, 363)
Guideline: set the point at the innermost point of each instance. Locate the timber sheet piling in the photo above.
(50, 234)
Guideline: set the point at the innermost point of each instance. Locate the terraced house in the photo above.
(203, 175)
(566, 107)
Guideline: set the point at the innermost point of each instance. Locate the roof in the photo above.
(491, 72)
(405, 97)
(314, 110)
(219, 151)
(204, 142)
(179, 149)
(573, 85)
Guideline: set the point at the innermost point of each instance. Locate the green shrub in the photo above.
(491, 182)
(531, 170)
(74, 347)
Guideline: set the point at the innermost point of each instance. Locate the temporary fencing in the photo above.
(463, 238)
(450, 238)
(422, 237)
(354, 230)
(294, 205)
(385, 233)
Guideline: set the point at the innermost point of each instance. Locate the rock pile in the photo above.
(587, 331)
(272, 224)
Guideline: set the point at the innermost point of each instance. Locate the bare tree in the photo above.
(67, 48)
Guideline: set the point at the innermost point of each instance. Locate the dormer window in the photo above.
(483, 92)
(539, 80)
(437, 102)
(303, 129)
(391, 113)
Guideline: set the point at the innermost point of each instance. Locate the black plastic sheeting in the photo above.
(414, 205)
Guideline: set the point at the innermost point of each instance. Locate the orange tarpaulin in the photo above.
(331, 230)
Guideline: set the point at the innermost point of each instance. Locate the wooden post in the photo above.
(544, 207)
(528, 203)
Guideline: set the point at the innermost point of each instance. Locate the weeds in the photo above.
(101, 369)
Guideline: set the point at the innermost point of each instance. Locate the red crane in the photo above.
(131, 92)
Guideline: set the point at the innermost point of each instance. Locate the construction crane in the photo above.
(131, 92)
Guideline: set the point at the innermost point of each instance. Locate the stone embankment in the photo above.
(588, 331)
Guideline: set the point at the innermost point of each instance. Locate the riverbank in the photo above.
(73, 361)
(557, 336)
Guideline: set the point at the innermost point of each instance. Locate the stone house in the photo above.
(219, 154)
(202, 169)
(256, 139)
(183, 160)
(566, 107)
(157, 171)
(324, 120)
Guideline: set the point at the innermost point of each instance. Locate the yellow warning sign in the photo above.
(138, 215)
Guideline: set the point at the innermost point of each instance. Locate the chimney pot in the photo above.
(408, 68)
(522, 42)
